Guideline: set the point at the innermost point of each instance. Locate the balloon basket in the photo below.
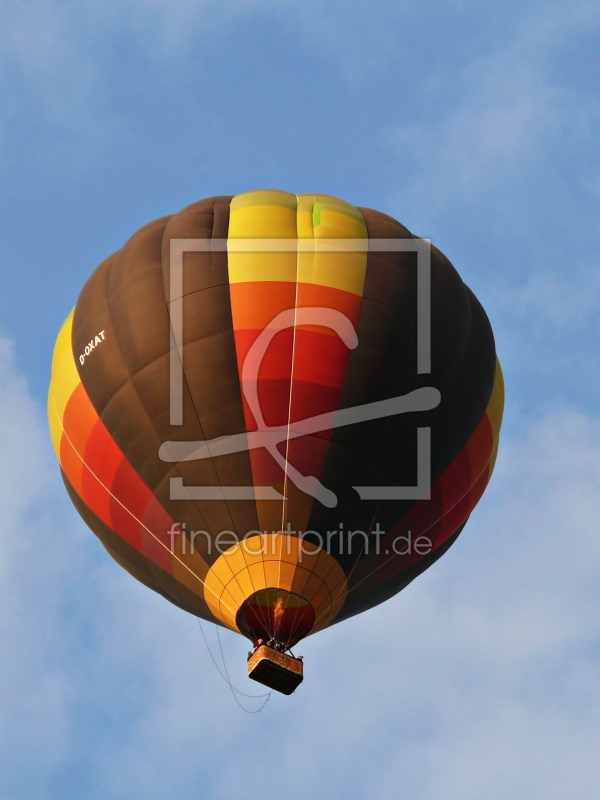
(275, 669)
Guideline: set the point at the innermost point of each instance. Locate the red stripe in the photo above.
(97, 470)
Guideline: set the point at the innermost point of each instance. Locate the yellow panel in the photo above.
(304, 220)
(328, 204)
(63, 342)
(323, 565)
(235, 591)
(335, 578)
(253, 556)
(300, 578)
(281, 569)
(213, 587)
(262, 197)
(65, 380)
(308, 552)
(255, 546)
(222, 569)
(266, 221)
(336, 220)
(286, 548)
(256, 215)
(327, 611)
(495, 406)
(65, 377)
(336, 225)
(286, 576)
(271, 573)
(313, 584)
(271, 546)
(245, 584)
(257, 575)
(229, 603)
(55, 423)
(249, 267)
(321, 596)
(234, 557)
(493, 461)
(227, 616)
(222, 602)
(345, 271)
(213, 600)
(326, 614)
(280, 215)
(322, 600)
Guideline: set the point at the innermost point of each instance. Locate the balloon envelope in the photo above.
(276, 410)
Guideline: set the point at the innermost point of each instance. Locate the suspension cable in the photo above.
(235, 692)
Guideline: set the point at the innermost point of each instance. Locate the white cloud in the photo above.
(502, 119)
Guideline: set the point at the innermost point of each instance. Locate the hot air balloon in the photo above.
(276, 410)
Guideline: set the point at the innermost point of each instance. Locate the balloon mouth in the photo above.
(275, 615)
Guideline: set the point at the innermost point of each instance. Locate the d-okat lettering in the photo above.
(92, 345)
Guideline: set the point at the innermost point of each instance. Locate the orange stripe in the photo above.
(254, 305)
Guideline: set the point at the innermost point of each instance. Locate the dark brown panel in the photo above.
(133, 358)
(206, 219)
(103, 372)
(209, 355)
(129, 384)
(384, 452)
(364, 594)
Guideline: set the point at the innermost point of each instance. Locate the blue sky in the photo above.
(475, 124)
